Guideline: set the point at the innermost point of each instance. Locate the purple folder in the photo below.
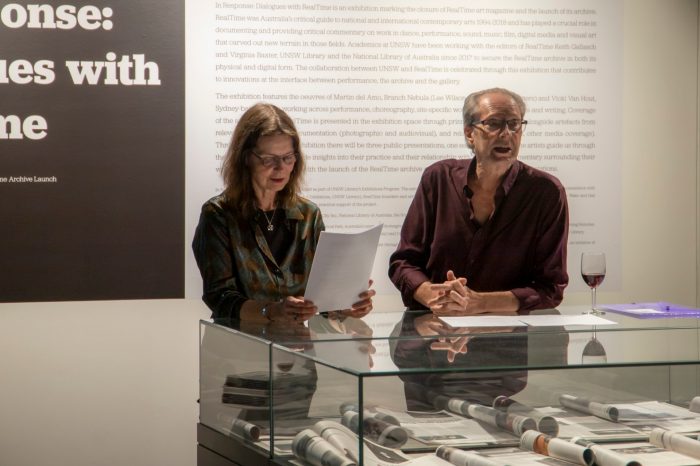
(658, 310)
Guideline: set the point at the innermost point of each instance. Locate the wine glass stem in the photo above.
(593, 299)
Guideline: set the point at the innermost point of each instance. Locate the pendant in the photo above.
(270, 227)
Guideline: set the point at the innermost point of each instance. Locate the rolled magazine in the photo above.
(346, 443)
(603, 411)
(312, 448)
(350, 406)
(512, 423)
(675, 442)
(604, 456)
(376, 429)
(545, 424)
(340, 437)
(240, 427)
(463, 458)
(556, 448)
(246, 430)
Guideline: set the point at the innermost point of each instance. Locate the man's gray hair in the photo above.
(471, 105)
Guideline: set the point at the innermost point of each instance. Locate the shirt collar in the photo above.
(510, 177)
(293, 213)
(506, 184)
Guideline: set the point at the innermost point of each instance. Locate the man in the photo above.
(488, 234)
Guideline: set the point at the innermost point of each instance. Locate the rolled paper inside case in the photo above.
(568, 451)
(605, 457)
(384, 433)
(695, 404)
(308, 446)
(510, 422)
(603, 411)
(556, 448)
(246, 429)
(463, 458)
(350, 406)
(545, 424)
(675, 442)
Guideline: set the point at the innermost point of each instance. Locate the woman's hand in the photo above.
(362, 307)
(292, 308)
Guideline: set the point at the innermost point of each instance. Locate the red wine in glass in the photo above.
(593, 279)
(593, 273)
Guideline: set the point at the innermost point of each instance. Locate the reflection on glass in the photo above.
(593, 352)
(442, 347)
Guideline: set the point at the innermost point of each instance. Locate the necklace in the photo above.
(270, 226)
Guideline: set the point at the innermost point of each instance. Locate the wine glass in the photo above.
(593, 273)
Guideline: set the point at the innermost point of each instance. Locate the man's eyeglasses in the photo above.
(494, 125)
(272, 160)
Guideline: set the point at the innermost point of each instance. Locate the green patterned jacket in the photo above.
(236, 263)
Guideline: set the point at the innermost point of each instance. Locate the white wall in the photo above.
(660, 205)
(659, 164)
(111, 383)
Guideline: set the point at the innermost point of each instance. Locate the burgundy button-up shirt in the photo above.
(521, 248)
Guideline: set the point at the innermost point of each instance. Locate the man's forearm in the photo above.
(423, 294)
(496, 302)
(455, 296)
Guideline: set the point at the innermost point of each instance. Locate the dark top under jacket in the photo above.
(237, 264)
(521, 248)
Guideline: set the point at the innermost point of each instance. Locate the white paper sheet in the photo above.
(341, 268)
(643, 311)
(650, 455)
(514, 455)
(521, 321)
(652, 411)
(445, 428)
(483, 321)
(575, 424)
(429, 460)
(564, 320)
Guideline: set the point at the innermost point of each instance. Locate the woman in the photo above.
(255, 241)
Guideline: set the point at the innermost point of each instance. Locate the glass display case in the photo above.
(408, 388)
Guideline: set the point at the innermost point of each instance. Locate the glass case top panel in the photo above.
(397, 342)
(334, 326)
